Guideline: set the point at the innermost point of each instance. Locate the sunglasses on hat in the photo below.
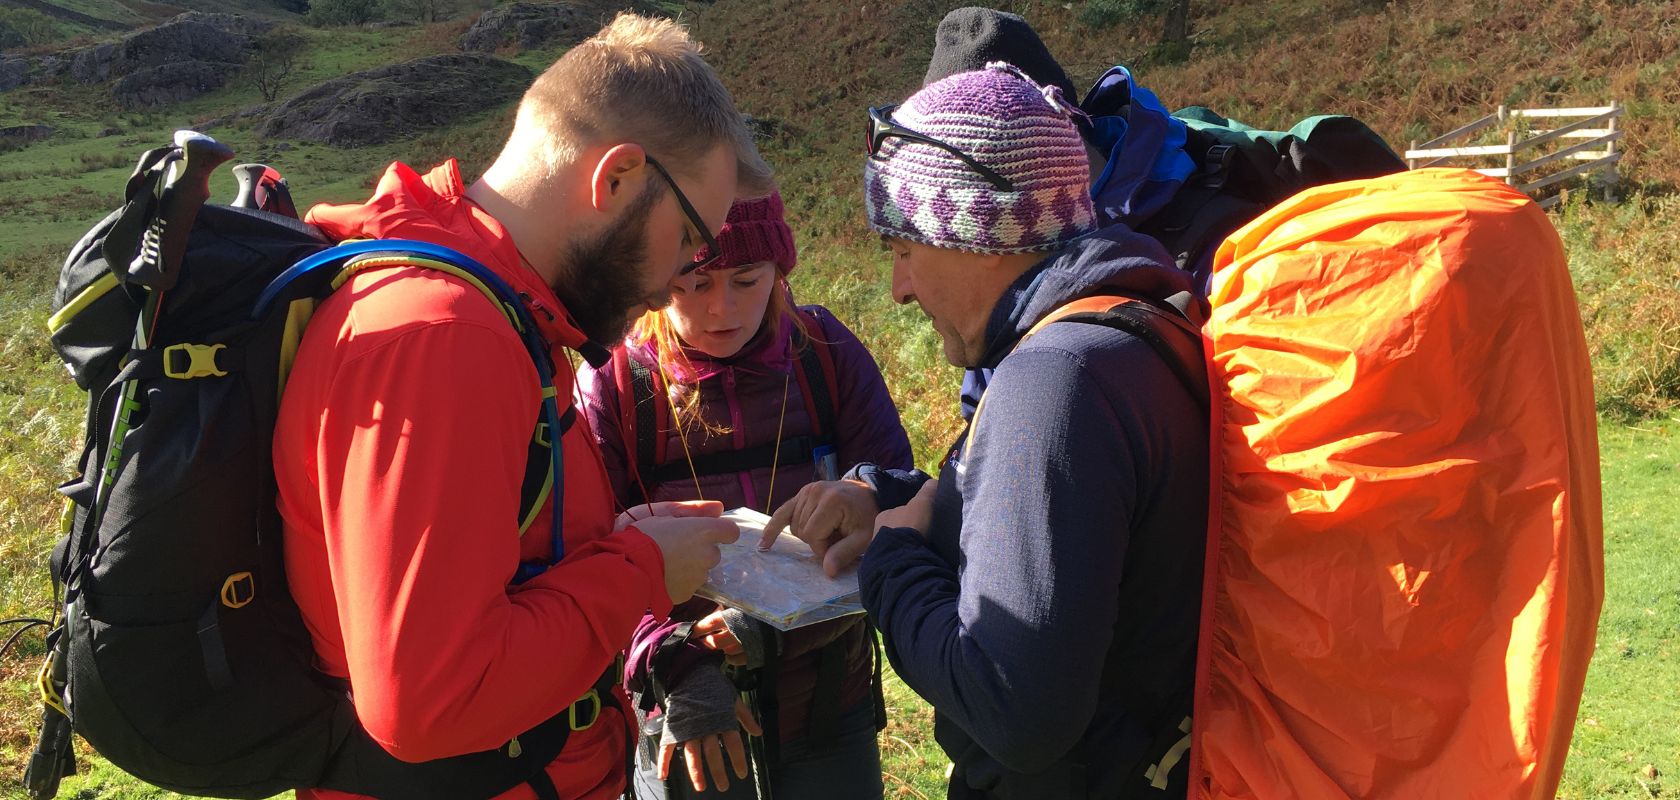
(882, 128)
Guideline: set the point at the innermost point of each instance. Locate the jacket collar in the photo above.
(434, 208)
(1112, 260)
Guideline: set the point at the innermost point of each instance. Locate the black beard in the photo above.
(601, 274)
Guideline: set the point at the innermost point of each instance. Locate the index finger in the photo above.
(779, 521)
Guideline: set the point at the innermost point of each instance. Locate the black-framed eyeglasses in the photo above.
(713, 252)
(882, 128)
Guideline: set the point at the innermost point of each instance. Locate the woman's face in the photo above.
(718, 311)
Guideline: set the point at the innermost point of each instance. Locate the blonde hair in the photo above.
(642, 80)
(656, 331)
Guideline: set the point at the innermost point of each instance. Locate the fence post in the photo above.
(1614, 177)
(1411, 163)
(1510, 155)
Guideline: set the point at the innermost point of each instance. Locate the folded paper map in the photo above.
(785, 585)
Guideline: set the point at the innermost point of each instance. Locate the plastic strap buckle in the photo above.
(593, 699)
(199, 361)
(239, 590)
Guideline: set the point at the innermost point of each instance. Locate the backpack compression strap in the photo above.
(817, 378)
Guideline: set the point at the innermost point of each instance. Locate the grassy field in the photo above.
(1252, 59)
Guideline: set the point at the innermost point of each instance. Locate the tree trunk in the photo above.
(1177, 28)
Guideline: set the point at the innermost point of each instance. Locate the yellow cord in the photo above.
(682, 435)
(776, 455)
(775, 458)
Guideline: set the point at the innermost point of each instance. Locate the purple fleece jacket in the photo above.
(745, 394)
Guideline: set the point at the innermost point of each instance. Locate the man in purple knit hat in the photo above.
(1043, 594)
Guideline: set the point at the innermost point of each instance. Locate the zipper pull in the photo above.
(513, 748)
(532, 304)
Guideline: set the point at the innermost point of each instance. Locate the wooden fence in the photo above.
(1546, 148)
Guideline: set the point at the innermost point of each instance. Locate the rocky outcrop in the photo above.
(190, 55)
(171, 83)
(532, 25)
(17, 137)
(14, 72)
(382, 104)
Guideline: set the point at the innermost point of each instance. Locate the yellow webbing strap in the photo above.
(361, 264)
(298, 313)
(81, 301)
(49, 694)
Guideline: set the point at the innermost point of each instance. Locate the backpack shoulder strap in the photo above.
(1209, 206)
(817, 376)
(544, 468)
(628, 415)
(646, 397)
(1162, 326)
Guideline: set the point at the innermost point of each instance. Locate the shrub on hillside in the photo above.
(1629, 289)
(26, 27)
(343, 12)
(424, 11)
(275, 62)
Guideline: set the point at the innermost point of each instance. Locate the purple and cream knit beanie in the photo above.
(998, 117)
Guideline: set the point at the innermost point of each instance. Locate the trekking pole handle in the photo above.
(261, 187)
(185, 190)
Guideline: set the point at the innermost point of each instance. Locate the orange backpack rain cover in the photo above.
(1405, 553)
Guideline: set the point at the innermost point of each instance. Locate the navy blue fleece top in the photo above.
(1056, 595)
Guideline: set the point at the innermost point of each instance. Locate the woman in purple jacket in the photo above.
(732, 393)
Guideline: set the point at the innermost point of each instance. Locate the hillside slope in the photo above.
(1412, 69)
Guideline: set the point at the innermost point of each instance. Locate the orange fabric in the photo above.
(1407, 547)
(399, 451)
(1085, 305)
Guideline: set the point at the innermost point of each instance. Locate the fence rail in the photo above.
(1597, 125)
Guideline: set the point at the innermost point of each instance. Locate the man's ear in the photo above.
(618, 176)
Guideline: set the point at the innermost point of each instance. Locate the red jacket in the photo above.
(399, 451)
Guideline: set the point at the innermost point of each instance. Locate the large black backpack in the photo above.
(1241, 172)
(181, 656)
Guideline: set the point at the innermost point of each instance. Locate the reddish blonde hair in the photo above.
(656, 331)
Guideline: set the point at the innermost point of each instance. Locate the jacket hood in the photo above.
(1113, 260)
(434, 208)
(1144, 144)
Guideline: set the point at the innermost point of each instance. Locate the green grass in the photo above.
(1630, 715)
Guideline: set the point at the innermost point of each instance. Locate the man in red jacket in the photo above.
(403, 433)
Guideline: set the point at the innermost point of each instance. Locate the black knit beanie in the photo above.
(970, 37)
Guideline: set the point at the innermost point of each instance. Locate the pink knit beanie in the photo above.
(754, 232)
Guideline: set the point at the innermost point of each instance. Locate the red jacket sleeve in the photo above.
(423, 442)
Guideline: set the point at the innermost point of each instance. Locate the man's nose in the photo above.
(902, 290)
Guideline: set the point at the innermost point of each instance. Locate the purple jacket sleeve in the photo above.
(598, 391)
(870, 430)
(644, 648)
